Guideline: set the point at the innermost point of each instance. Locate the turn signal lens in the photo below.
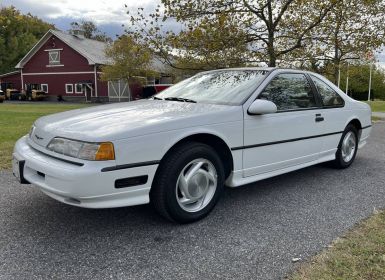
(105, 151)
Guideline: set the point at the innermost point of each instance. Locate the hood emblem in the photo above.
(38, 137)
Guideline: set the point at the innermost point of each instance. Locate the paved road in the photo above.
(253, 233)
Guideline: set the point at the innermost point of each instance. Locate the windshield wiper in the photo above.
(181, 99)
(156, 98)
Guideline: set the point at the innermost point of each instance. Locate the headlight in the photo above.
(82, 150)
(31, 130)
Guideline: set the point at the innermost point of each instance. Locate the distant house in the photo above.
(67, 65)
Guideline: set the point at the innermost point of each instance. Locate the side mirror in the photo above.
(261, 107)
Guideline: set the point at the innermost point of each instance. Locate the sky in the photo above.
(109, 15)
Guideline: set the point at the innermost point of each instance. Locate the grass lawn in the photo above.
(358, 255)
(377, 106)
(16, 120)
(374, 119)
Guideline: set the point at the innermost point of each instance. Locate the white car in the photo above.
(178, 149)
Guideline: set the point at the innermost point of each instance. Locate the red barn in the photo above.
(68, 66)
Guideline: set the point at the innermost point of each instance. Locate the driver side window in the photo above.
(290, 92)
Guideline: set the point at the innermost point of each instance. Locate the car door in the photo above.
(289, 137)
(334, 116)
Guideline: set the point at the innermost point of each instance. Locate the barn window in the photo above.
(78, 88)
(44, 87)
(54, 57)
(69, 88)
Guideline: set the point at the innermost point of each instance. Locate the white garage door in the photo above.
(119, 90)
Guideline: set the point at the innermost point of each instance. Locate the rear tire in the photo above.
(188, 183)
(347, 148)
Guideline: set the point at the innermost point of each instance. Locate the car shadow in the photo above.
(252, 201)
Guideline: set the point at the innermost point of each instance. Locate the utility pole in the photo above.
(347, 79)
(370, 57)
(339, 67)
(339, 75)
(370, 80)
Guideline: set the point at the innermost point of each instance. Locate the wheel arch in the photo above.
(356, 123)
(214, 141)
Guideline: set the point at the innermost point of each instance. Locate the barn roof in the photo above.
(92, 50)
(9, 74)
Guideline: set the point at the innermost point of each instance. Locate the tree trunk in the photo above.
(272, 60)
(336, 72)
(336, 63)
(271, 50)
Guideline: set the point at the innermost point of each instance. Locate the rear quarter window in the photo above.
(330, 98)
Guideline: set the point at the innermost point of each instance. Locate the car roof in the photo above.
(268, 69)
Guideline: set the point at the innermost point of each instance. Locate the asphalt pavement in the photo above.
(253, 233)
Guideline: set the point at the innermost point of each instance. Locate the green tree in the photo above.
(91, 31)
(359, 73)
(272, 28)
(18, 34)
(129, 60)
(351, 30)
(212, 44)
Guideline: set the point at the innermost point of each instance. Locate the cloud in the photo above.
(108, 15)
(35, 8)
(101, 12)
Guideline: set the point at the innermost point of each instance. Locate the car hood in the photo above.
(130, 119)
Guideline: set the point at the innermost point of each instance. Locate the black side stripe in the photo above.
(148, 163)
(284, 141)
(131, 165)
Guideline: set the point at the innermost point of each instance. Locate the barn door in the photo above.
(119, 90)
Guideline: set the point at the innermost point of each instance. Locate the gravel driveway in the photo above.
(253, 233)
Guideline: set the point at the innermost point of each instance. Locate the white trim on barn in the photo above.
(69, 91)
(9, 73)
(119, 89)
(76, 88)
(58, 73)
(53, 50)
(54, 65)
(42, 87)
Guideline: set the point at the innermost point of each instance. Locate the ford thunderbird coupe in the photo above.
(178, 149)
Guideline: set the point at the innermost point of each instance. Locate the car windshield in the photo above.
(229, 87)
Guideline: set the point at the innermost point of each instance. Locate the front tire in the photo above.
(347, 148)
(188, 183)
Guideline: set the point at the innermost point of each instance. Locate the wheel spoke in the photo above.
(187, 201)
(209, 176)
(183, 186)
(193, 169)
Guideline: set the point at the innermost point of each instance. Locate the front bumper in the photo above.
(83, 186)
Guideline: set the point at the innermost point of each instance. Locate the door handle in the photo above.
(319, 118)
